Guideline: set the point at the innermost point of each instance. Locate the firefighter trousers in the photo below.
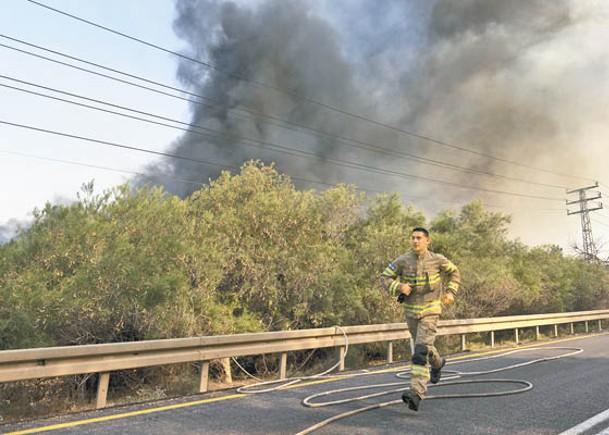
(423, 332)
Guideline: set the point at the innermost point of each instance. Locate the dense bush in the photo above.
(249, 252)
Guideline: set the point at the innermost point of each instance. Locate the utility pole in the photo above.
(589, 248)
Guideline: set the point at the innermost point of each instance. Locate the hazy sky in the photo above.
(29, 182)
(524, 82)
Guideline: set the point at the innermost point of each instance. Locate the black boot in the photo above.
(412, 400)
(436, 374)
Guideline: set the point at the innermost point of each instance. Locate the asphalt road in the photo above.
(570, 393)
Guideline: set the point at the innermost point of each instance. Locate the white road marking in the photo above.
(588, 424)
(605, 432)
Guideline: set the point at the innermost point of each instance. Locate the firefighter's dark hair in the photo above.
(421, 229)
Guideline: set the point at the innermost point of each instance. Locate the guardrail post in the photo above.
(571, 326)
(341, 356)
(492, 339)
(556, 330)
(283, 364)
(586, 326)
(537, 333)
(102, 390)
(516, 336)
(600, 325)
(390, 352)
(463, 344)
(204, 377)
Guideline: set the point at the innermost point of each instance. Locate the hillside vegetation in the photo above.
(249, 253)
(245, 253)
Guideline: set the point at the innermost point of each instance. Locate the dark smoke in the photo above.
(521, 80)
(283, 44)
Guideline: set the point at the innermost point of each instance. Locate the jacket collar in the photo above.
(425, 256)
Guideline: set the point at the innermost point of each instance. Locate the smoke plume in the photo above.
(523, 81)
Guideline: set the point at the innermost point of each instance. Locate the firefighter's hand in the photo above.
(405, 289)
(448, 298)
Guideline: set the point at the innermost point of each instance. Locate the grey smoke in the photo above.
(6, 234)
(11, 229)
(522, 80)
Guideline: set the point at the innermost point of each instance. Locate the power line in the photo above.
(596, 221)
(169, 177)
(105, 168)
(192, 128)
(182, 180)
(348, 164)
(366, 146)
(114, 144)
(304, 98)
(603, 213)
(148, 151)
(223, 138)
(200, 184)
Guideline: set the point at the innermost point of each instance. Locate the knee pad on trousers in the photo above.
(419, 357)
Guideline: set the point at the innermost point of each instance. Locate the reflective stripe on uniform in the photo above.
(393, 287)
(422, 309)
(450, 267)
(419, 371)
(453, 286)
(390, 271)
(423, 279)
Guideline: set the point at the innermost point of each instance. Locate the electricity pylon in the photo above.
(589, 248)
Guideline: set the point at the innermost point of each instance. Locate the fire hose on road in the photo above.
(449, 378)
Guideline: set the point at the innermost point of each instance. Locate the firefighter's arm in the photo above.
(454, 279)
(391, 281)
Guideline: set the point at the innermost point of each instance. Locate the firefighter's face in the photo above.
(419, 241)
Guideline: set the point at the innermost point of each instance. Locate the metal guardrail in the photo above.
(23, 364)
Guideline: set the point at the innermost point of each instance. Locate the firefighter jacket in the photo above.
(425, 276)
